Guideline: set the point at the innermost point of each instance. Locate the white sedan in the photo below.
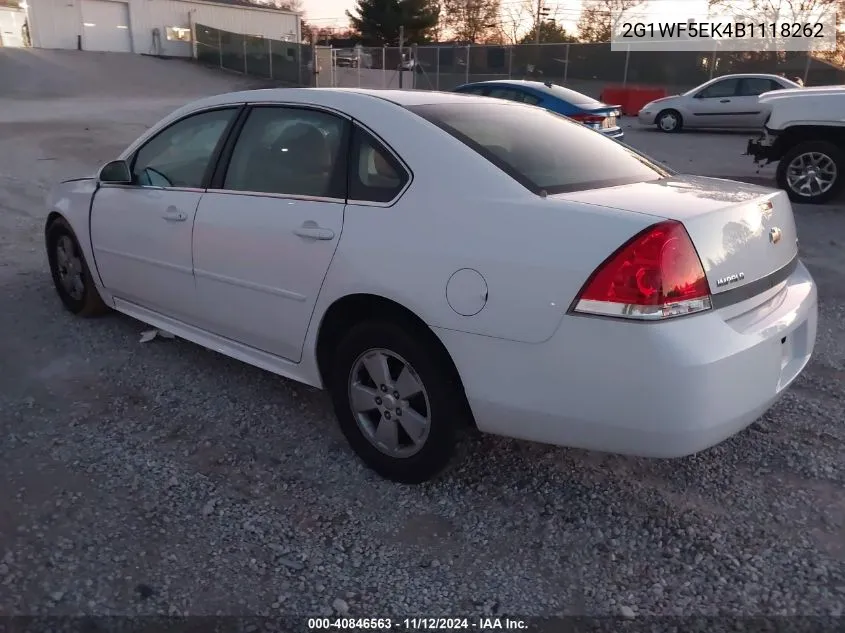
(729, 101)
(438, 260)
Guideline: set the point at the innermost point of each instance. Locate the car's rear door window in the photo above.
(753, 86)
(544, 151)
(290, 151)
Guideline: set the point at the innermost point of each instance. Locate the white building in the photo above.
(149, 27)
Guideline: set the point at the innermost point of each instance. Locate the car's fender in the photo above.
(71, 199)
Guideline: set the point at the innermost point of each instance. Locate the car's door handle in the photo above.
(725, 101)
(312, 230)
(172, 214)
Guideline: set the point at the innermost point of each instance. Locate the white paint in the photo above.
(105, 26)
(58, 23)
(529, 369)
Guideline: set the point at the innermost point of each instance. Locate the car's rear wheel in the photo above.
(669, 121)
(398, 401)
(811, 172)
(70, 272)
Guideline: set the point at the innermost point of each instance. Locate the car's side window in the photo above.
(529, 99)
(512, 94)
(505, 93)
(753, 86)
(475, 90)
(290, 151)
(179, 155)
(374, 173)
(720, 89)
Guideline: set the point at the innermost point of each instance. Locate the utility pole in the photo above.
(542, 13)
(401, 55)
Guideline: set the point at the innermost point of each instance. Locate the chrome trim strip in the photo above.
(287, 294)
(754, 288)
(280, 196)
(114, 185)
(144, 260)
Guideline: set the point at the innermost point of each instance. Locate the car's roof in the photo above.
(399, 97)
(744, 75)
(527, 83)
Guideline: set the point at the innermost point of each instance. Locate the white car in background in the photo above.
(439, 260)
(729, 101)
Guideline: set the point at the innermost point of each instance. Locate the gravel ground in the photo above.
(162, 478)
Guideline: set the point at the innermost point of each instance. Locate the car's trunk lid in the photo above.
(742, 232)
(598, 116)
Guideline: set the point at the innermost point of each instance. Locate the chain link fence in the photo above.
(288, 62)
(588, 68)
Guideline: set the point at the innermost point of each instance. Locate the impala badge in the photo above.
(775, 234)
(730, 279)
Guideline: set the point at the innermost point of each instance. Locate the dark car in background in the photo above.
(570, 103)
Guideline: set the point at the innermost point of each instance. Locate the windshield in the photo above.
(546, 152)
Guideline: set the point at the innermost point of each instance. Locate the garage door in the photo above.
(105, 26)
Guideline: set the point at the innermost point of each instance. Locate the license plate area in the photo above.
(609, 122)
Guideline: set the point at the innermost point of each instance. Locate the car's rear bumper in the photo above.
(653, 390)
(614, 133)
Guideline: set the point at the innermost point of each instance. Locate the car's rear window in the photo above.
(575, 98)
(544, 151)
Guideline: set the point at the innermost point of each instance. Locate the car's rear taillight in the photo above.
(657, 274)
(588, 119)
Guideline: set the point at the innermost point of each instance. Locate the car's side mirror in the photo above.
(116, 172)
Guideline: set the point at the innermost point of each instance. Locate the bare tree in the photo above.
(471, 20)
(766, 10)
(513, 18)
(596, 21)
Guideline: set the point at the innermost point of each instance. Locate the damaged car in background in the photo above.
(805, 135)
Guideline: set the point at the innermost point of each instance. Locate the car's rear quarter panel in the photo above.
(462, 212)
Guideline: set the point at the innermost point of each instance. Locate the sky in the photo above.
(331, 13)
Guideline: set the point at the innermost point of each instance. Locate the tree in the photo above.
(514, 16)
(596, 21)
(378, 21)
(550, 33)
(471, 21)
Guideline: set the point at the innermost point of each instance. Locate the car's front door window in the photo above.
(179, 156)
(720, 89)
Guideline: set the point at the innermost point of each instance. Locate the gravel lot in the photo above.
(163, 478)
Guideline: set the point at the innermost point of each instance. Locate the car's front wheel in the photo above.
(70, 272)
(669, 121)
(399, 402)
(811, 172)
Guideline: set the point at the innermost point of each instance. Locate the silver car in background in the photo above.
(729, 101)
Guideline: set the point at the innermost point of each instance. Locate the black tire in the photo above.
(668, 115)
(831, 151)
(89, 303)
(447, 409)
